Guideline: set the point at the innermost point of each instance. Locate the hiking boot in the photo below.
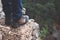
(24, 19)
(15, 24)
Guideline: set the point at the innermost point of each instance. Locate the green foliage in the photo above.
(37, 10)
(43, 32)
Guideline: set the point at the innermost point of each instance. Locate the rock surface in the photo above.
(1, 12)
(29, 31)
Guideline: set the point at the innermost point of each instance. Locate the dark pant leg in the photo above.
(17, 9)
(7, 11)
(16, 12)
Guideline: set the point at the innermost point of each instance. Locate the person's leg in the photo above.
(17, 12)
(7, 11)
(17, 9)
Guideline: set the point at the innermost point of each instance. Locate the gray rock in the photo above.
(2, 15)
(24, 11)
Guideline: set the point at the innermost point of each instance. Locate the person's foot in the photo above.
(24, 19)
(15, 24)
(7, 22)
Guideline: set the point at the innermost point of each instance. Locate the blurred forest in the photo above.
(42, 11)
(39, 9)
